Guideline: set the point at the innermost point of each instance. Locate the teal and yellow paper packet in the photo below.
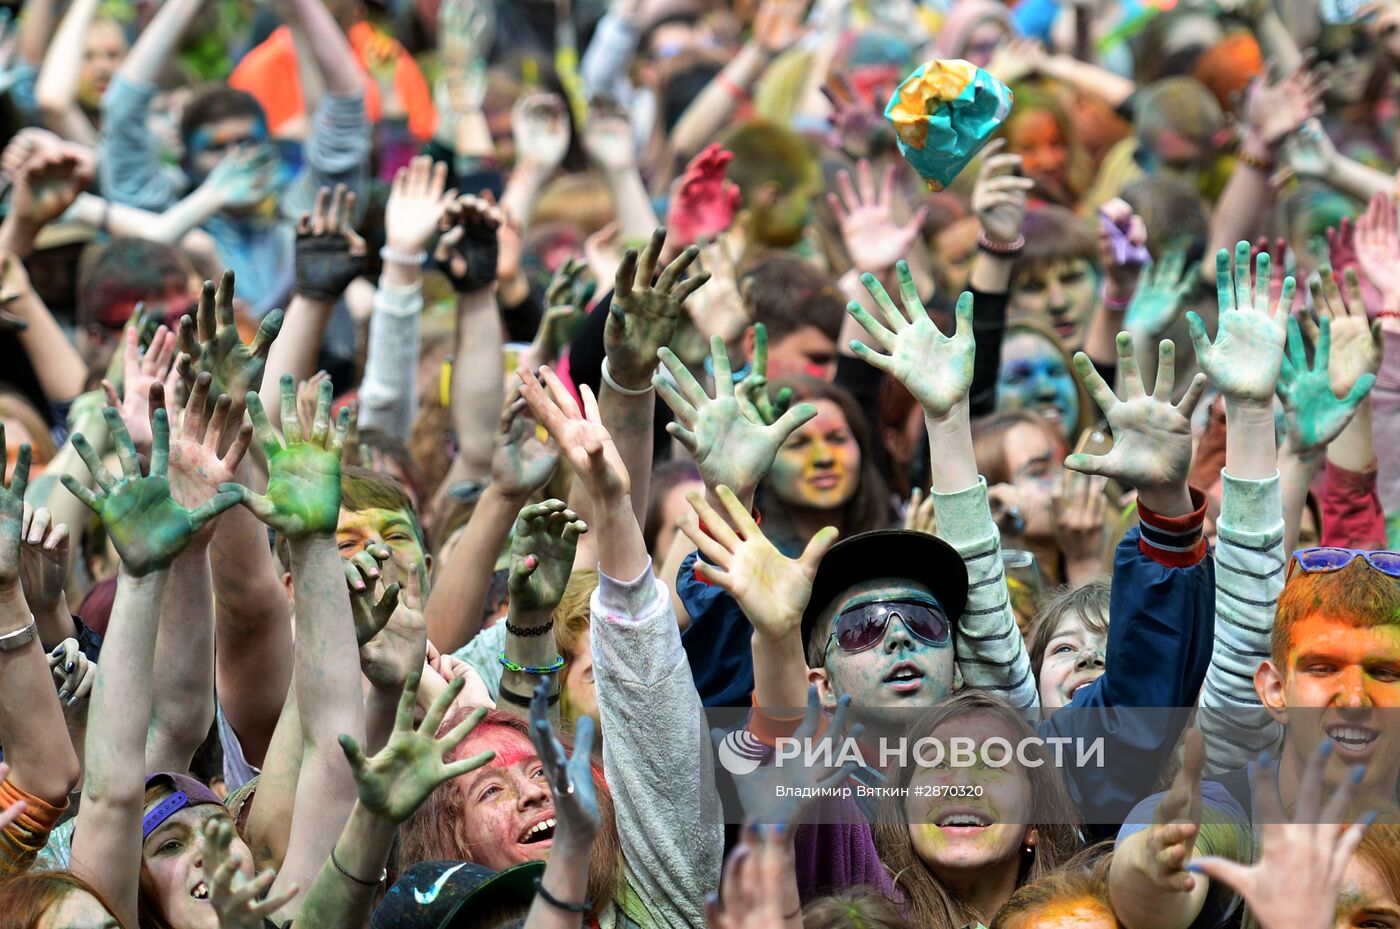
(943, 114)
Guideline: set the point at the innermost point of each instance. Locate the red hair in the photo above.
(432, 832)
(1357, 595)
(25, 898)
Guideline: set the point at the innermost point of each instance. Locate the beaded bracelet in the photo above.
(553, 668)
(527, 633)
(1010, 249)
(403, 258)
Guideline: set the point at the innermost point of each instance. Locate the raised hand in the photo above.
(245, 177)
(919, 515)
(1157, 300)
(704, 203)
(1310, 151)
(400, 645)
(1078, 504)
(47, 184)
(43, 560)
(542, 555)
(580, 434)
(362, 573)
(540, 125)
(643, 318)
(520, 463)
(1314, 414)
(999, 199)
(1356, 345)
(468, 251)
(237, 899)
(147, 527)
(73, 675)
(1316, 842)
(726, 435)
(219, 349)
(1378, 249)
(416, 204)
(754, 387)
(771, 588)
(1151, 435)
(757, 889)
(1243, 361)
(1278, 261)
(1122, 238)
(571, 783)
(1275, 110)
(1172, 836)
(607, 138)
(139, 374)
(935, 368)
(777, 25)
(12, 514)
(329, 252)
(396, 781)
(303, 480)
(197, 469)
(874, 239)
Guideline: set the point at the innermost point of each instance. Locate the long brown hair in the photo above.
(26, 897)
(869, 506)
(432, 832)
(1052, 814)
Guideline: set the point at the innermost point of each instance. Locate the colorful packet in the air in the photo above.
(943, 114)
(1126, 254)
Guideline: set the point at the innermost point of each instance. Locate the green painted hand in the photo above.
(643, 318)
(236, 368)
(571, 783)
(771, 588)
(1244, 360)
(1151, 435)
(754, 387)
(1356, 344)
(1160, 291)
(935, 368)
(396, 781)
(400, 644)
(12, 514)
(542, 555)
(520, 463)
(147, 527)
(580, 434)
(727, 436)
(303, 479)
(1313, 413)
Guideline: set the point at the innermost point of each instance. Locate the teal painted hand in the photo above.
(395, 782)
(726, 435)
(303, 479)
(1313, 413)
(571, 782)
(643, 317)
(12, 514)
(542, 555)
(147, 527)
(754, 387)
(1160, 291)
(520, 463)
(212, 343)
(1244, 360)
(1151, 435)
(935, 368)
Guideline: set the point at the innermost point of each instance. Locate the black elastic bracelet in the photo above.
(528, 633)
(549, 898)
(358, 880)
(515, 698)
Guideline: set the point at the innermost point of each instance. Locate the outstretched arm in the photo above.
(56, 91)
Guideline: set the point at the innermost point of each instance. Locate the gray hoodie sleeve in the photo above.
(656, 754)
(389, 391)
(130, 164)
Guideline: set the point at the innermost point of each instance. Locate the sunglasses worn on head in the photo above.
(862, 627)
(1327, 559)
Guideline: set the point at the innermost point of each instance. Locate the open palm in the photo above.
(1243, 361)
(1313, 413)
(542, 554)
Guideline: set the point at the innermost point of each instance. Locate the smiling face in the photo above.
(1074, 659)
(393, 528)
(507, 808)
(1034, 377)
(1337, 681)
(818, 466)
(174, 856)
(956, 837)
(1366, 901)
(898, 673)
(1062, 295)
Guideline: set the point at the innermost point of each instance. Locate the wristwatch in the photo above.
(20, 637)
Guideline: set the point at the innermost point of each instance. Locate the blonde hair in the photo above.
(16, 406)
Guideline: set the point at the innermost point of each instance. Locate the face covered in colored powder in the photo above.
(392, 528)
(900, 671)
(209, 144)
(818, 467)
(958, 837)
(507, 808)
(1340, 682)
(804, 352)
(1034, 376)
(174, 856)
(1062, 295)
(1034, 459)
(1037, 138)
(1074, 659)
(1366, 900)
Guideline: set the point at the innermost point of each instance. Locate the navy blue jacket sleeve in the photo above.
(717, 641)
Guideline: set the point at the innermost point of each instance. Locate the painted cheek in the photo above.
(820, 372)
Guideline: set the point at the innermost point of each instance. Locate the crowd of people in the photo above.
(458, 453)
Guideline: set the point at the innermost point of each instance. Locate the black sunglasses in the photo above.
(862, 627)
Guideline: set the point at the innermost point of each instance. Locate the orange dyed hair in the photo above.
(1357, 595)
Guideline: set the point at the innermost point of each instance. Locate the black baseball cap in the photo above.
(904, 553)
(434, 894)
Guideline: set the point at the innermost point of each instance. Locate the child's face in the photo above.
(1074, 658)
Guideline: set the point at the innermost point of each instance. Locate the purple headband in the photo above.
(188, 792)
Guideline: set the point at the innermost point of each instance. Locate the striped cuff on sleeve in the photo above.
(1174, 541)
